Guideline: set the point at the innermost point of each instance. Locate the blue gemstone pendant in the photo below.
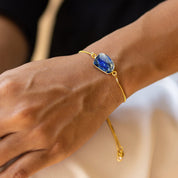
(104, 63)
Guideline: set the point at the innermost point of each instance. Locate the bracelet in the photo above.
(106, 65)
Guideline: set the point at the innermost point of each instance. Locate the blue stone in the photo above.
(104, 63)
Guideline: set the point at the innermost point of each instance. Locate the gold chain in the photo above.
(120, 150)
(114, 74)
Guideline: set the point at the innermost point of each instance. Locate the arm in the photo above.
(13, 45)
(62, 113)
(18, 23)
(146, 50)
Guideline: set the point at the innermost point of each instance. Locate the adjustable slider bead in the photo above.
(120, 154)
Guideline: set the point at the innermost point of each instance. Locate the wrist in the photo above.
(119, 46)
(140, 53)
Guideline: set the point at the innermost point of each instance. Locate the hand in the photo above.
(48, 109)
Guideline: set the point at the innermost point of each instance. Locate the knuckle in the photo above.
(6, 73)
(8, 86)
(26, 112)
(59, 147)
(24, 116)
(56, 149)
(7, 83)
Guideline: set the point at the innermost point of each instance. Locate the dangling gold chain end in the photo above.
(120, 154)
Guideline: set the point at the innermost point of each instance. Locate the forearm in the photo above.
(13, 45)
(146, 50)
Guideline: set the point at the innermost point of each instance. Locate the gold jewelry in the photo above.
(106, 65)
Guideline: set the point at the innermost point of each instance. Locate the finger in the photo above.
(5, 166)
(27, 165)
(12, 146)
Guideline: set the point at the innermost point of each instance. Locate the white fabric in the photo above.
(147, 126)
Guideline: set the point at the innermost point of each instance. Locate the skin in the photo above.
(13, 45)
(49, 109)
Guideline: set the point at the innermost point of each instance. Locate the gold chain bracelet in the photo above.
(106, 65)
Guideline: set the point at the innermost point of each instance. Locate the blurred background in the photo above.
(45, 30)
